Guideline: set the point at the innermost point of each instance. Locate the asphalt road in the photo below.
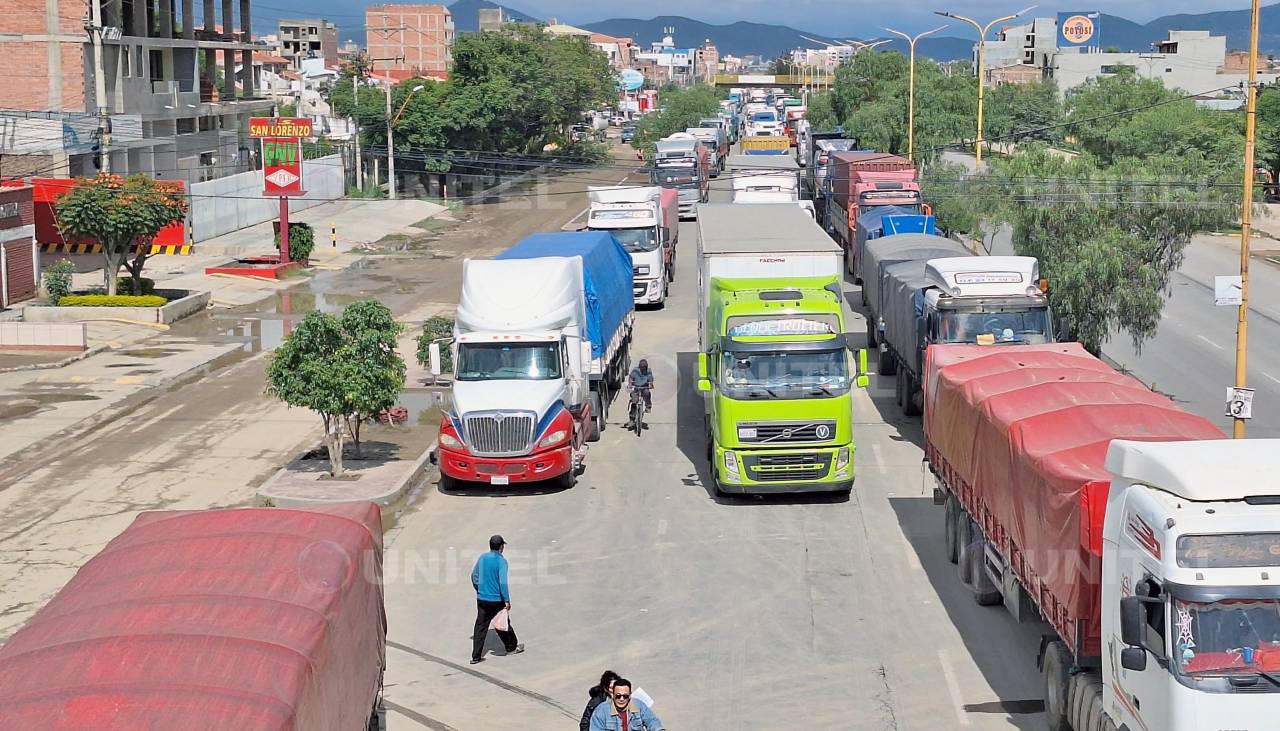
(733, 614)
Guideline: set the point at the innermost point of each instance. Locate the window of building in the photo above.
(208, 165)
(126, 56)
(208, 123)
(1113, 68)
(139, 70)
(155, 59)
(186, 126)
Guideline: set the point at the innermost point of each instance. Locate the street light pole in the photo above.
(982, 57)
(1246, 215)
(911, 87)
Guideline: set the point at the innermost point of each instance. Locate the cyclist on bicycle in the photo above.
(641, 379)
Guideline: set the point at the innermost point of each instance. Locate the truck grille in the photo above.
(787, 467)
(786, 432)
(500, 434)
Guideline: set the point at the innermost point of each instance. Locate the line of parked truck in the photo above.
(1073, 495)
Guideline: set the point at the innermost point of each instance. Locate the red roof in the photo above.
(262, 618)
(269, 59)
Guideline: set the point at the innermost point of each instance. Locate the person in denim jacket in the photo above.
(624, 713)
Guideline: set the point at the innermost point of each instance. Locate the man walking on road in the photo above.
(623, 713)
(489, 577)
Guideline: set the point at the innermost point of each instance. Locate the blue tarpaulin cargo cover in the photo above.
(606, 271)
(887, 221)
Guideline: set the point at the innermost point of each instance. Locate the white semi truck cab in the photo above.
(643, 220)
(1191, 586)
(986, 300)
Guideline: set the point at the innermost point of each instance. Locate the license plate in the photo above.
(499, 480)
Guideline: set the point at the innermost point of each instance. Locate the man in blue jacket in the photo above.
(624, 713)
(489, 577)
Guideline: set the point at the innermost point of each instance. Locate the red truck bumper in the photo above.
(505, 470)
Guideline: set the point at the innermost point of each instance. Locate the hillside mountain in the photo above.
(739, 39)
(466, 14)
(1234, 24)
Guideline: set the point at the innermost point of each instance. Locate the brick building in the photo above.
(308, 38)
(420, 36)
(169, 118)
(19, 257)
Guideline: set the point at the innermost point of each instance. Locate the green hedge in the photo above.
(106, 300)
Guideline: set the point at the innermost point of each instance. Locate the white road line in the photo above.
(1268, 375)
(952, 686)
(1207, 340)
(879, 458)
(662, 527)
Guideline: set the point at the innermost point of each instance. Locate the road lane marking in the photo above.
(1268, 375)
(662, 527)
(1207, 340)
(952, 687)
(879, 458)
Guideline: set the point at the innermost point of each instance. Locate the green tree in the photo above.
(1015, 113)
(1107, 237)
(343, 368)
(681, 109)
(123, 214)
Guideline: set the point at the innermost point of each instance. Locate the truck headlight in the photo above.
(731, 462)
(842, 462)
(642, 270)
(554, 438)
(447, 440)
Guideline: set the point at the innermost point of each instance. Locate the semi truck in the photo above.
(765, 122)
(923, 289)
(773, 366)
(683, 163)
(542, 341)
(820, 148)
(859, 181)
(716, 142)
(203, 620)
(766, 179)
(1139, 540)
(646, 222)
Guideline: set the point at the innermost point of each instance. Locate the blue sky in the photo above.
(848, 16)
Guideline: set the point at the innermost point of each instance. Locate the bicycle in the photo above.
(635, 411)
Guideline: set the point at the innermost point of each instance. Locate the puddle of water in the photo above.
(45, 399)
(18, 408)
(424, 406)
(152, 352)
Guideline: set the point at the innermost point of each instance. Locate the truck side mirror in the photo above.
(862, 362)
(433, 359)
(702, 365)
(1133, 658)
(1132, 622)
(704, 385)
(863, 381)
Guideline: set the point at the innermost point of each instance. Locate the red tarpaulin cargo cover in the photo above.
(847, 162)
(1022, 432)
(249, 619)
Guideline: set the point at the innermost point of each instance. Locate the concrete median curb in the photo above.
(293, 487)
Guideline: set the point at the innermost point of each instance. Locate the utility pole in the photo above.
(391, 145)
(911, 94)
(355, 126)
(100, 86)
(1246, 214)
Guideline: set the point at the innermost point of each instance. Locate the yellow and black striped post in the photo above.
(333, 234)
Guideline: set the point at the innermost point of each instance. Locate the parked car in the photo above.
(628, 133)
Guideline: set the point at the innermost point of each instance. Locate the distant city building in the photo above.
(1028, 44)
(732, 64)
(1014, 74)
(308, 38)
(420, 36)
(706, 62)
(492, 19)
(663, 63)
(1194, 61)
(619, 50)
(822, 58)
(563, 29)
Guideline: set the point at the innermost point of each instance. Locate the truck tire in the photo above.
(1087, 707)
(568, 479)
(909, 389)
(596, 427)
(950, 518)
(449, 484)
(968, 533)
(885, 363)
(1055, 673)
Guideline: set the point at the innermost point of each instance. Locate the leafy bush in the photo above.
(112, 300)
(57, 280)
(302, 241)
(434, 329)
(125, 284)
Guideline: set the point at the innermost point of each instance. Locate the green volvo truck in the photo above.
(774, 364)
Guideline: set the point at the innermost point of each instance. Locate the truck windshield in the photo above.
(786, 374)
(508, 361)
(1232, 638)
(1020, 327)
(674, 177)
(764, 117)
(913, 208)
(636, 239)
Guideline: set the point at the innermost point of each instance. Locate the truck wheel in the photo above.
(885, 364)
(951, 516)
(1056, 677)
(909, 389)
(1086, 705)
(568, 479)
(449, 484)
(596, 427)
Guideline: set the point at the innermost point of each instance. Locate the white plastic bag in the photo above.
(500, 621)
